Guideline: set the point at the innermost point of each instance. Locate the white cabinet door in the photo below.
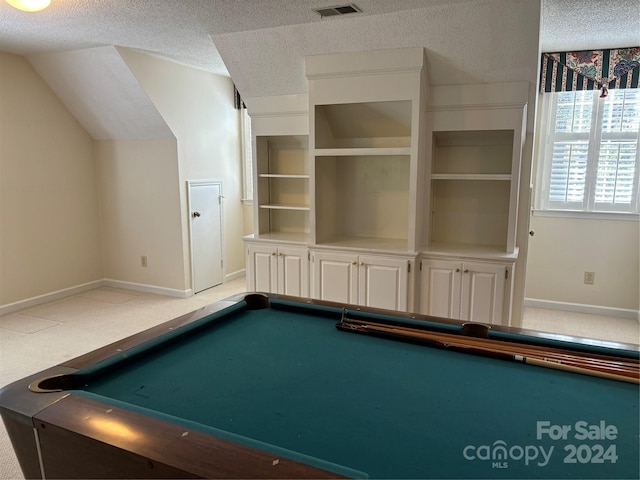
(262, 268)
(440, 288)
(368, 280)
(483, 286)
(383, 282)
(335, 277)
(463, 290)
(278, 269)
(293, 271)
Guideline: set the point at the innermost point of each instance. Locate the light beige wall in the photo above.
(140, 212)
(564, 248)
(247, 216)
(198, 107)
(49, 227)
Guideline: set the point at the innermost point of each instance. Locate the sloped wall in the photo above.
(198, 107)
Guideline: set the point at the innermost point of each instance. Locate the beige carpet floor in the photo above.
(40, 337)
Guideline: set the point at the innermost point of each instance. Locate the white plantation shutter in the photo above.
(591, 161)
(568, 173)
(616, 173)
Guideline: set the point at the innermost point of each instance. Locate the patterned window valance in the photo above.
(590, 70)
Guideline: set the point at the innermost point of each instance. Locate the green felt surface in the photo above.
(390, 409)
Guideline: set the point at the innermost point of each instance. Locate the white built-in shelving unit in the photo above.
(277, 252)
(469, 250)
(282, 191)
(376, 189)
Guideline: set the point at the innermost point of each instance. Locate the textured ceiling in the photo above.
(444, 30)
(178, 30)
(261, 44)
(572, 25)
(181, 30)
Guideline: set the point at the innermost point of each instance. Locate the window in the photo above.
(589, 151)
(247, 156)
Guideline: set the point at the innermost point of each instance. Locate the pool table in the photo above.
(268, 386)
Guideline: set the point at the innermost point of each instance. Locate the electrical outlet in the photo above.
(143, 261)
(589, 278)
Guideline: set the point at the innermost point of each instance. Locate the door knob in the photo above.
(195, 214)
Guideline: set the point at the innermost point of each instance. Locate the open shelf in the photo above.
(283, 190)
(278, 175)
(471, 187)
(368, 243)
(286, 207)
(346, 152)
(362, 199)
(464, 250)
(282, 155)
(470, 212)
(471, 176)
(362, 156)
(485, 152)
(363, 125)
(283, 237)
(282, 166)
(284, 221)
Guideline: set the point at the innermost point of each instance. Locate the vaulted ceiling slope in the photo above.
(261, 44)
(98, 88)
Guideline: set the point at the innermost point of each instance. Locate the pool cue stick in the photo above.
(558, 355)
(545, 355)
(365, 329)
(538, 362)
(480, 349)
(561, 354)
(388, 332)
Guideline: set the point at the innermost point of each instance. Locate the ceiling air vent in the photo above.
(337, 10)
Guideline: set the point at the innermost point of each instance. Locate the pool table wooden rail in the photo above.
(143, 447)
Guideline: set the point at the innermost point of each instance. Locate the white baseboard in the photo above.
(49, 297)
(139, 287)
(85, 287)
(105, 282)
(582, 308)
(234, 275)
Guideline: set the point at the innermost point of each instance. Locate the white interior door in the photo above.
(205, 211)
